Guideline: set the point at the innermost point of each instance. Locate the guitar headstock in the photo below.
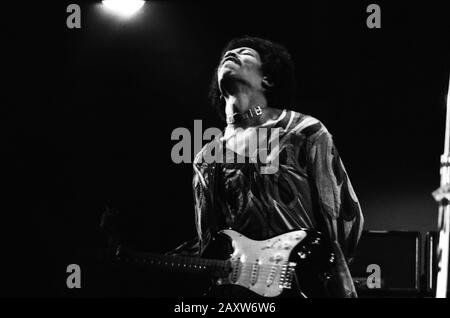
(111, 225)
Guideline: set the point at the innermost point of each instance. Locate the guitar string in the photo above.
(208, 263)
(262, 268)
(246, 271)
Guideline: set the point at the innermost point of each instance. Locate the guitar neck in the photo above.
(177, 263)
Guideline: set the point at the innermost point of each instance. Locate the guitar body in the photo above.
(293, 264)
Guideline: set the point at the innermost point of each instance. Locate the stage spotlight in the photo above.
(123, 8)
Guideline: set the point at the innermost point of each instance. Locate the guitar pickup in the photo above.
(254, 273)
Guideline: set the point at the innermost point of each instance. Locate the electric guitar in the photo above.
(295, 263)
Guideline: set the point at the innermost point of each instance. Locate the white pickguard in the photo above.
(259, 265)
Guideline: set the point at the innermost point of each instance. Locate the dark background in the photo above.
(87, 117)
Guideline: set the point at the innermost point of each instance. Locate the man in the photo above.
(253, 88)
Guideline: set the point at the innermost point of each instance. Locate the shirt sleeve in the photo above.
(338, 201)
(203, 180)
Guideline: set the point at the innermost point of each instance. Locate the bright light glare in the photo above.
(124, 8)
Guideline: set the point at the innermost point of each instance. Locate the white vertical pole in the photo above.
(444, 213)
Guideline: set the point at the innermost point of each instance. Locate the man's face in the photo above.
(241, 64)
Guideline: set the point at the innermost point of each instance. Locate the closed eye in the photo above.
(247, 52)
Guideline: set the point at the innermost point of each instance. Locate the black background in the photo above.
(87, 117)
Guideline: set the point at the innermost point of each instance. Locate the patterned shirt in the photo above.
(310, 190)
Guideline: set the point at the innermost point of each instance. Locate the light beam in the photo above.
(123, 8)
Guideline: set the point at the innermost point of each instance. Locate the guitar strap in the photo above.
(214, 194)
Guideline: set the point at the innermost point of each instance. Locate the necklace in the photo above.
(249, 113)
